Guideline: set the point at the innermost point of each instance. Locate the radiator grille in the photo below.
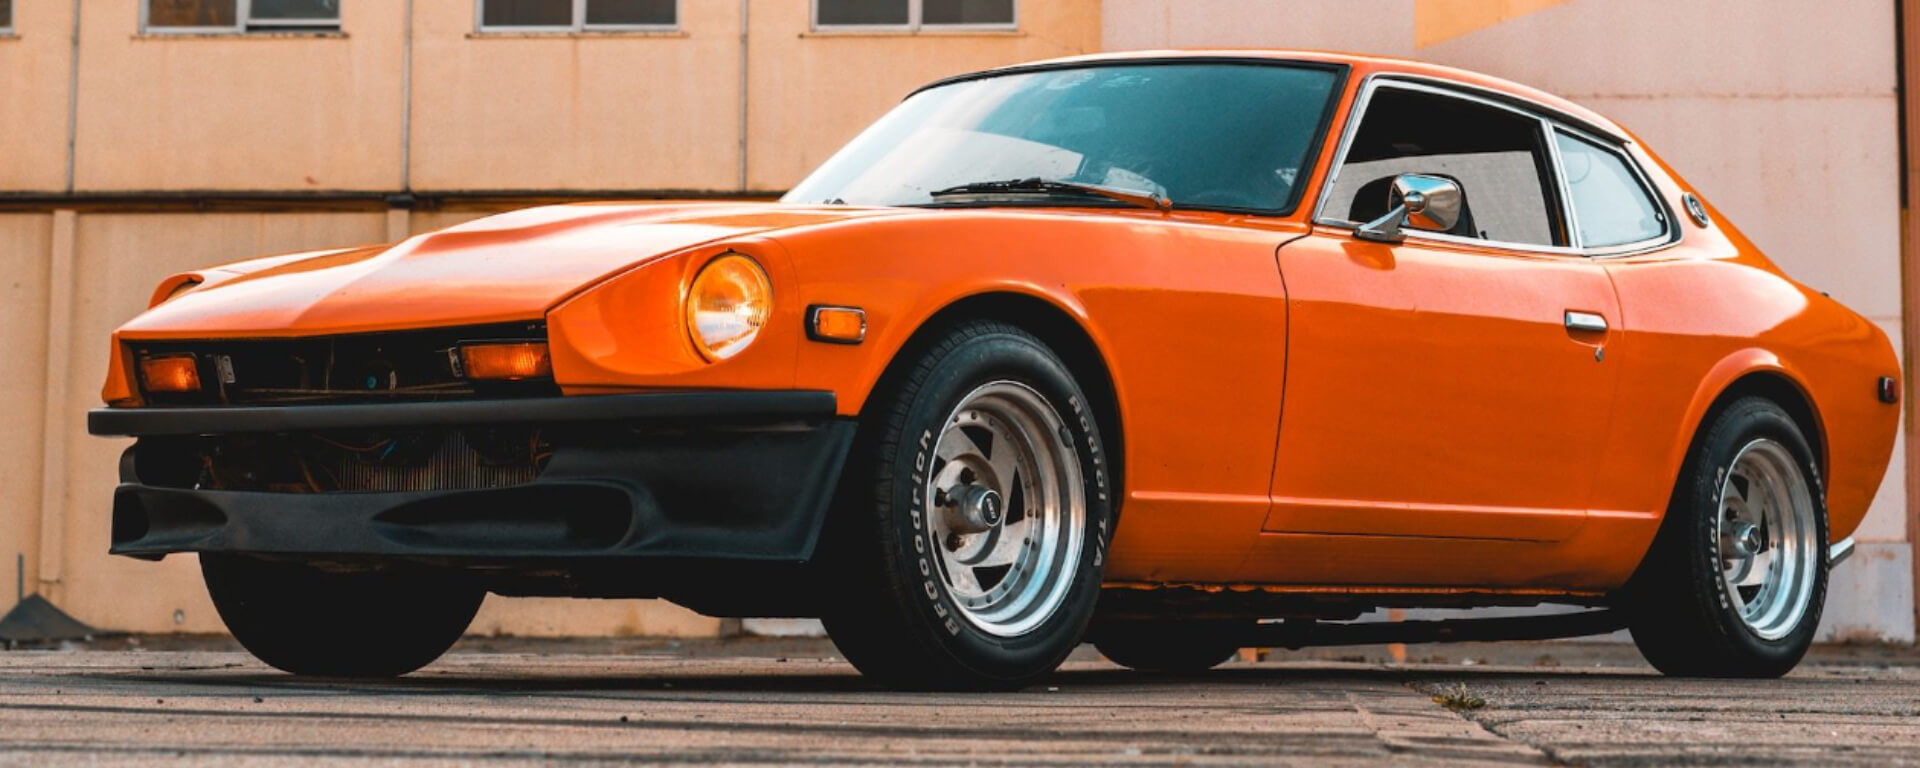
(453, 465)
(436, 460)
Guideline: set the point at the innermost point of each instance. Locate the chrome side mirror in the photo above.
(1422, 202)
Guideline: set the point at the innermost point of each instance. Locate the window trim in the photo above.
(244, 23)
(579, 25)
(1549, 120)
(915, 24)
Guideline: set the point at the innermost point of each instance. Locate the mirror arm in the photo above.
(1385, 229)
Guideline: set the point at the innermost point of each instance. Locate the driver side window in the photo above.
(1498, 157)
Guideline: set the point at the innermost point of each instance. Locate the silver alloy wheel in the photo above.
(1008, 508)
(1767, 539)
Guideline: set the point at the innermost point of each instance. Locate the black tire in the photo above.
(1680, 614)
(306, 621)
(894, 616)
(1166, 646)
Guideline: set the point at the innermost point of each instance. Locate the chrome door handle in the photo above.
(1586, 321)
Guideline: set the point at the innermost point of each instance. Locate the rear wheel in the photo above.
(974, 526)
(1166, 646)
(307, 621)
(1735, 582)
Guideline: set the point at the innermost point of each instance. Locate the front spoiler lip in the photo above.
(707, 408)
(736, 475)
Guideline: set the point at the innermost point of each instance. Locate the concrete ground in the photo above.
(507, 702)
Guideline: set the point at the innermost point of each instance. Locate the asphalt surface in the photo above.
(781, 702)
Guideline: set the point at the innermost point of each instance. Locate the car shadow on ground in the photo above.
(840, 679)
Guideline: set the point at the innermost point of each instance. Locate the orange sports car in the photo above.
(1172, 352)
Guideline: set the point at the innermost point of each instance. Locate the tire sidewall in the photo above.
(1743, 423)
(995, 356)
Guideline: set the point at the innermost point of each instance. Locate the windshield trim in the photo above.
(1309, 164)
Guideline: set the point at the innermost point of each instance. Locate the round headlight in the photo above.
(729, 301)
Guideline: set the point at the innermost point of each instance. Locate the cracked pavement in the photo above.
(716, 704)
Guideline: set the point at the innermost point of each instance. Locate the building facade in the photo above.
(142, 137)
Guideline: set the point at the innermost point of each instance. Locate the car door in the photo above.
(1453, 385)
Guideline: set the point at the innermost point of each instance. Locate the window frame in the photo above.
(1549, 120)
(915, 24)
(244, 23)
(579, 25)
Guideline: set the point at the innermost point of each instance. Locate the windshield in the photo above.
(1203, 135)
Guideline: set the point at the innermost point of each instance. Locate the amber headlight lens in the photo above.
(729, 302)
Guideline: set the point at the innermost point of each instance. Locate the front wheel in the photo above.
(974, 526)
(1736, 579)
(307, 621)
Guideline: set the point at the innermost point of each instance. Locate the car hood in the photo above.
(506, 268)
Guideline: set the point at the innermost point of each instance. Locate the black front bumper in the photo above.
(692, 475)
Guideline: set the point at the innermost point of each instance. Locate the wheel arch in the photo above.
(1777, 384)
(1060, 330)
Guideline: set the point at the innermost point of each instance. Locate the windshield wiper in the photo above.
(1040, 186)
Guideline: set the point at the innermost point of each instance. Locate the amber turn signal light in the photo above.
(837, 325)
(506, 362)
(173, 373)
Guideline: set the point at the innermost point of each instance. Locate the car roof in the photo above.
(1363, 65)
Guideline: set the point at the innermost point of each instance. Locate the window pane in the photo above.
(967, 12)
(647, 12)
(6, 13)
(527, 13)
(303, 10)
(1609, 204)
(191, 13)
(1498, 157)
(834, 12)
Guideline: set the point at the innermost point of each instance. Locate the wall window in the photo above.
(6, 17)
(240, 15)
(577, 15)
(915, 14)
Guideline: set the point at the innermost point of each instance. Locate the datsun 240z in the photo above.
(1172, 352)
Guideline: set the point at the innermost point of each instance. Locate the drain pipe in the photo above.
(745, 96)
(73, 97)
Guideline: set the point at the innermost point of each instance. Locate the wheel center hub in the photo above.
(1745, 540)
(974, 509)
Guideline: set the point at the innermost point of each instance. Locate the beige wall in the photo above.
(34, 74)
(1784, 113)
(210, 112)
(25, 242)
(499, 112)
(597, 112)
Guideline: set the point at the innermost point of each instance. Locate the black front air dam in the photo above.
(708, 475)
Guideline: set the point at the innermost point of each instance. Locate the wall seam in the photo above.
(406, 103)
(53, 435)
